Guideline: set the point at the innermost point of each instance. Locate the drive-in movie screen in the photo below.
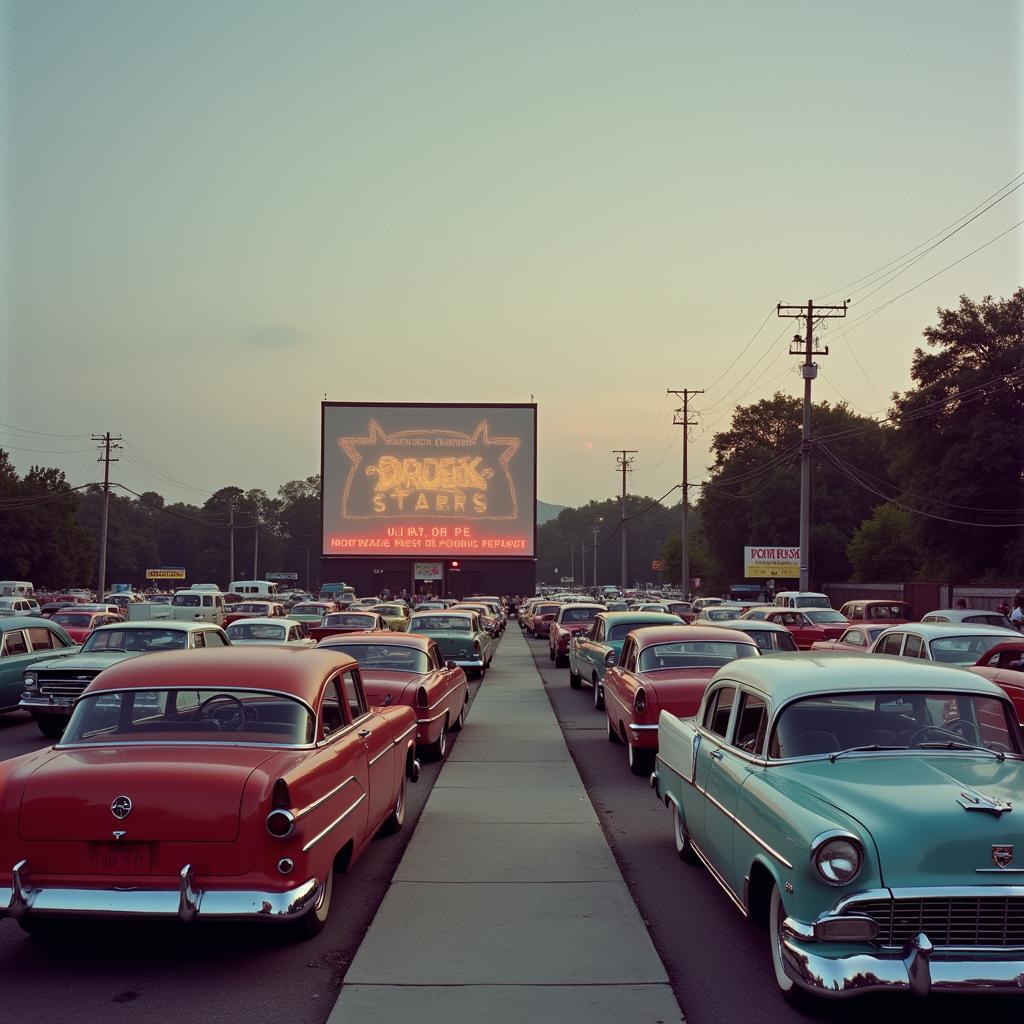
(439, 480)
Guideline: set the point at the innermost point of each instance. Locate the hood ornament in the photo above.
(1002, 856)
(121, 807)
(972, 800)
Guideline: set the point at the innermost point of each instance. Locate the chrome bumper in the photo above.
(469, 663)
(186, 903)
(917, 968)
(51, 705)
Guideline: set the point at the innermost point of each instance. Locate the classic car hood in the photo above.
(911, 807)
(381, 684)
(89, 662)
(177, 794)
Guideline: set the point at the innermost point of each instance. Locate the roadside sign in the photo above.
(771, 563)
(657, 565)
(165, 574)
(430, 570)
(282, 576)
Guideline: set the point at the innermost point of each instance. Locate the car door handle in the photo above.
(716, 754)
(364, 733)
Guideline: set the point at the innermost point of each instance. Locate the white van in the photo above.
(198, 605)
(16, 588)
(254, 588)
(801, 599)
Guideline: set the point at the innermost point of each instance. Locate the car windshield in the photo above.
(811, 602)
(393, 657)
(886, 611)
(619, 630)
(174, 715)
(693, 654)
(580, 614)
(545, 609)
(441, 624)
(718, 614)
(250, 609)
(348, 619)
(389, 609)
(825, 616)
(963, 650)
(308, 609)
(991, 619)
(154, 638)
(72, 620)
(265, 631)
(187, 600)
(828, 723)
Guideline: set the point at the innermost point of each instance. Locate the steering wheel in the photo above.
(202, 710)
(947, 734)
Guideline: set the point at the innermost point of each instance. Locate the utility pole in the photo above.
(583, 563)
(572, 560)
(623, 464)
(108, 444)
(256, 545)
(684, 536)
(596, 528)
(231, 540)
(809, 370)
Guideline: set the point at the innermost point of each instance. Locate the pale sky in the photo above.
(215, 213)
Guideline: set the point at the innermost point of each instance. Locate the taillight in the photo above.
(422, 700)
(640, 701)
(476, 646)
(280, 823)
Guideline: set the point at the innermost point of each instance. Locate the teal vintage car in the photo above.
(459, 635)
(591, 653)
(868, 809)
(24, 640)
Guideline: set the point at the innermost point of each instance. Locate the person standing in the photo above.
(1017, 615)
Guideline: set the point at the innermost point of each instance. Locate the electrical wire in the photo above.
(9, 428)
(245, 525)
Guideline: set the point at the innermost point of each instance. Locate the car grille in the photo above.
(948, 920)
(55, 684)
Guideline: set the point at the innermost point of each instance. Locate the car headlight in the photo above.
(837, 857)
(29, 679)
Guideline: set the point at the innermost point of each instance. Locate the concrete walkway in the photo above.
(508, 905)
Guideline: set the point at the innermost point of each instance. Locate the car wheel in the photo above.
(598, 694)
(51, 725)
(787, 986)
(640, 761)
(461, 720)
(312, 922)
(435, 751)
(561, 660)
(396, 819)
(683, 845)
(574, 678)
(613, 736)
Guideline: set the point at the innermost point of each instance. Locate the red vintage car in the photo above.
(221, 784)
(807, 625)
(886, 613)
(571, 620)
(664, 668)
(337, 623)
(79, 624)
(540, 620)
(857, 638)
(253, 610)
(1004, 664)
(403, 668)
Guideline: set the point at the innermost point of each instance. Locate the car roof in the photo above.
(391, 639)
(787, 676)
(649, 635)
(654, 618)
(27, 621)
(263, 621)
(744, 625)
(297, 671)
(186, 627)
(930, 630)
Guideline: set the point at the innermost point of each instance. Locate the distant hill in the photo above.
(546, 512)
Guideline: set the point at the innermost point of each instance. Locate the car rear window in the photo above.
(694, 654)
(391, 657)
(173, 715)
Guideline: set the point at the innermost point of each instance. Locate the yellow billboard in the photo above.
(766, 563)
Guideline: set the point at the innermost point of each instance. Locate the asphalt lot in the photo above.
(717, 961)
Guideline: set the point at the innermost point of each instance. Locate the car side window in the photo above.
(913, 648)
(42, 639)
(631, 657)
(751, 724)
(890, 644)
(331, 713)
(354, 694)
(435, 654)
(14, 644)
(716, 716)
(198, 640)
(855, 636)
(213, 638)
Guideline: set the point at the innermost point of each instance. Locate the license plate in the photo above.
(123, 859)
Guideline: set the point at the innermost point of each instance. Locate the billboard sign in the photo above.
(165, 574)
(434, 480)
(771, 563)
(281, 576)
(428, 570)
